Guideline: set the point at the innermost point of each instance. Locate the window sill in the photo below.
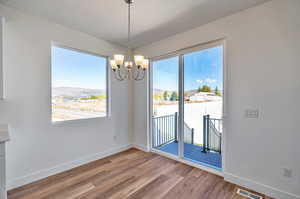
(80, 121)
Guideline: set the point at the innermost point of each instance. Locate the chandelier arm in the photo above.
(128, 74)
(141, 78)
(118, 78)
(124, 75)
(137, 74)
(133, 73)
(118, 75)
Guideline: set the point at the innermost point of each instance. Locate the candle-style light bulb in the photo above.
(138, 59)
(145, 64)
(119, 59)
(113, 64)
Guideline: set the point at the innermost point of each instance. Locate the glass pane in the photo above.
(203, 88)
(78, 85)
(165, 105)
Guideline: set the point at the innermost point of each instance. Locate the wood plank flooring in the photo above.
(132, 174)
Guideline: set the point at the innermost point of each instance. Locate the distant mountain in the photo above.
(76, 92)
(191, 92)
(157, 91)
(160, 91)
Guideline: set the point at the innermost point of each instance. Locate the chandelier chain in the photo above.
(129, 24)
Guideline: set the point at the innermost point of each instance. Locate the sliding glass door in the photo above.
(165, 75)
(203, 106)
(187, 105)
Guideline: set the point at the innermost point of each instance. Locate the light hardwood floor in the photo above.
(132, 174)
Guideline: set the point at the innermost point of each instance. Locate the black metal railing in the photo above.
(165, 130)
(212, 134)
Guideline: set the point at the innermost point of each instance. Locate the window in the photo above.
(79, 85)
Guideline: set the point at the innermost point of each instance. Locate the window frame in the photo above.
(108, 83)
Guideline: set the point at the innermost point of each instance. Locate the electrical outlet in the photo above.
(288, 173)
(252, 113)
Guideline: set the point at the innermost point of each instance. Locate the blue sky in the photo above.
(200, 68)
(75, 69)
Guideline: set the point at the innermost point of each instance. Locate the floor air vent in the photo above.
(247, 194)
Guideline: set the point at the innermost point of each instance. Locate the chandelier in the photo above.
(123, 66)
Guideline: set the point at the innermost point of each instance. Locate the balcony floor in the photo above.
(195, 154)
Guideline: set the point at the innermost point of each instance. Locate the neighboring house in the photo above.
(204, 96)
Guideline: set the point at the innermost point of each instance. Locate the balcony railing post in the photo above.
(176, 125)
(192, 135)
(207, 131)
(220, 144)
(153, 132)
(204, 134)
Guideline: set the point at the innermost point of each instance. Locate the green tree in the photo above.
(166, 95)
(174, 96)
(93, 97)
(99, 97)
(157, 96)
(204, 88)
(217, 92)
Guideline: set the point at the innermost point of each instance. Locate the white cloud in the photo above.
(199, 81)
(210, 81)
(61, 82)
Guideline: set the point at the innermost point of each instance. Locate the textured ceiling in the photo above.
(153, 20)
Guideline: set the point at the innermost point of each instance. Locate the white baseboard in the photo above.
(140, 147)
(258, 187)
(17, 182)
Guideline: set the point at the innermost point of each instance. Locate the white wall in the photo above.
(37, 147)
(263, 55)
(1, 62)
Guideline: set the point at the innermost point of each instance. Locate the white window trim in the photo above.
(2, 93)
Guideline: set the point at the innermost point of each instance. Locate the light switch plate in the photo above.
(252, 113)
(288, 173)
